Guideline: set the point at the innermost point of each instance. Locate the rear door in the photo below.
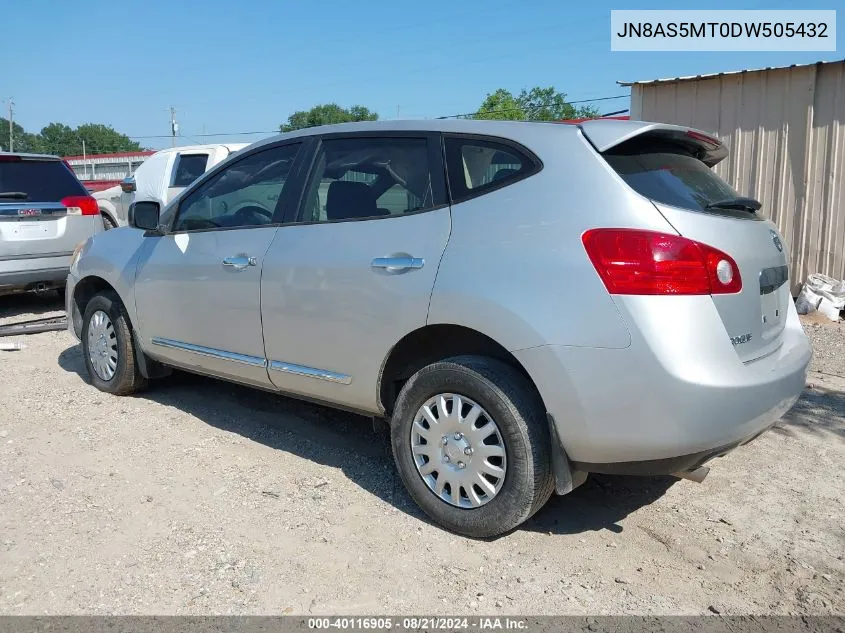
(672, 167)
(44, 210)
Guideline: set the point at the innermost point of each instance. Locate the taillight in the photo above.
(80, 205)
(634, 262)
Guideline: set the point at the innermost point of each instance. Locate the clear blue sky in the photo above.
(245, 66)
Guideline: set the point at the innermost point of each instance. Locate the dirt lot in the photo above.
(203, 497)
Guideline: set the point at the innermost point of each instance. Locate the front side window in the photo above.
(359, 178)
(479, 165)
(188, 168)
(243, 194)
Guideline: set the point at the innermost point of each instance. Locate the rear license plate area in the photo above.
(772, 301)
(30, 230)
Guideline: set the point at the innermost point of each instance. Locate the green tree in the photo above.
(327, 114)
(537, 104)
(501, 106)
(24, 142)
(104, 139)
(58, 138)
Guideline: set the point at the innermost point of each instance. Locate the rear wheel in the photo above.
(471, 444)
(108, 348)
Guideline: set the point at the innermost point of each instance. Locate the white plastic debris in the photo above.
(11, 347)
(822, 293)
(829, 309)
(807, 301)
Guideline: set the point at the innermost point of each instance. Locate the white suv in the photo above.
(525, 302)
(45, 213)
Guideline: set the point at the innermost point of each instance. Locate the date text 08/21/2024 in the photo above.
(418, 623)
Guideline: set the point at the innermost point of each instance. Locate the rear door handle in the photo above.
(239, 262)
(398, 264)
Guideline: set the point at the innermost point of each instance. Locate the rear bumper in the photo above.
(667, 465)
(52, 277)
(671, 401)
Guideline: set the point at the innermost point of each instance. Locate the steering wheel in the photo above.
(251, 213)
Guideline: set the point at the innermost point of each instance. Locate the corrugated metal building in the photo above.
(785, 128)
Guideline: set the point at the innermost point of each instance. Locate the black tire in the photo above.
(127, 378)
(108, 223)
(513, 403)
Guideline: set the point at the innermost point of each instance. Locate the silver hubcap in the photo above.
(102, 345)
(458, 450)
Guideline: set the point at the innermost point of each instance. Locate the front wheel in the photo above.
(107, 346)
(471, 443)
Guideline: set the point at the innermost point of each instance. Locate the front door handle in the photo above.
(239, 262)
(398, 264)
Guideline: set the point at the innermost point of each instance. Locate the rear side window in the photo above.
(476, 166)
(188, 168)
(41, 180)
(670, 176)
(373, 177)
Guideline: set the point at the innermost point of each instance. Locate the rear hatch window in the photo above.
(672, 169)
(669, 174)
(40, 180)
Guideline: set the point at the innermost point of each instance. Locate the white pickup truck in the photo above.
(160, 178)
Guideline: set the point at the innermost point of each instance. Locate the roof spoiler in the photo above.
(605, 135)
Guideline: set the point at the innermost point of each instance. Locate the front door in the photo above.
(355, 275)
(197, 289)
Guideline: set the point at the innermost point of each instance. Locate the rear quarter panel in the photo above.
(515, 268)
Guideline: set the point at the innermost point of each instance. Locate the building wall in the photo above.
(785, 129)
(97, 167)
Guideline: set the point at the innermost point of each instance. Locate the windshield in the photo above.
(672, 178)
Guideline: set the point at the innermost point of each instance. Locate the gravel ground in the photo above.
(203, 497)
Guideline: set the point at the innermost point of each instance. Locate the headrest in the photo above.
(350, 200)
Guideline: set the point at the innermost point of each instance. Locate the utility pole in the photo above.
(11, 125)
(84, 158)
(174, 127)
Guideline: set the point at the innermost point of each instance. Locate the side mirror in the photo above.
(144, 215)
(127, 185)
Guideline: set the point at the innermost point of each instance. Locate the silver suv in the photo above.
(525, 303)
(45, 213)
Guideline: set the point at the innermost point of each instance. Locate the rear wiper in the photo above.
(743, 204)
(17, 195)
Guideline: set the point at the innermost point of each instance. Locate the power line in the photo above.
(448, 116)
(539, 106)
(276, 131)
